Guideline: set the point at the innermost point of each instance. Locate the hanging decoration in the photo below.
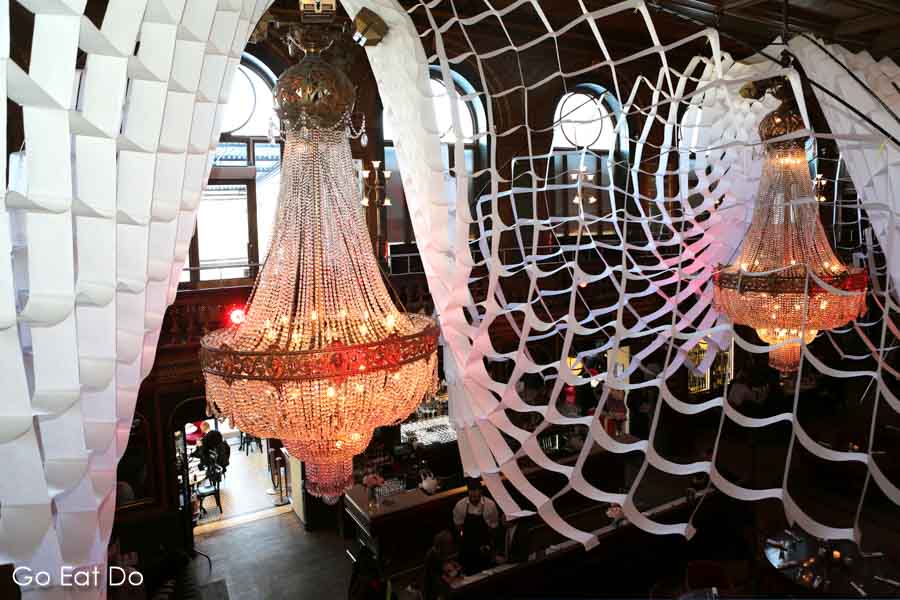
(776, 285)
(322, 356)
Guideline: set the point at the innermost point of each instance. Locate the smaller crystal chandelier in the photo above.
(769, 287)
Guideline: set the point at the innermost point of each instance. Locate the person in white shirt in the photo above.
(476, 518)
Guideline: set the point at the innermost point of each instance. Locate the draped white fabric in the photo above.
(99, 213)
(721, 166)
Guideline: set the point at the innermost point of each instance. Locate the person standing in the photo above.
(440, 571)
(476, 518)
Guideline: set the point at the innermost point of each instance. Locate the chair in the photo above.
(247, 442)
(210, 487)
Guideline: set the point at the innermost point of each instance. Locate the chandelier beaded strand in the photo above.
(323, 356)
(769, 287)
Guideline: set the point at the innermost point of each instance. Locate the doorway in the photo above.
(224, 473)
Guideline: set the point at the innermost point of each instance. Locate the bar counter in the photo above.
(400, 530)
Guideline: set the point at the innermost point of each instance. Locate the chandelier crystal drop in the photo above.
(322, 356)
(768, 287)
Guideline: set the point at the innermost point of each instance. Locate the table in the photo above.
(831, 567)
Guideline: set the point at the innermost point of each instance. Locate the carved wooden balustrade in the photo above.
(198, 312)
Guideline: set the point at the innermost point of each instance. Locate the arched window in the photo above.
(443, 113)
(250, 110)
(472, 122)
(587, 136)
(237, 210)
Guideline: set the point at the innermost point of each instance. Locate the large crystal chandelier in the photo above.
(767, 287)
(323, 356)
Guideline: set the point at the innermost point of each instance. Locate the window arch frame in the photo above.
(562, 156)
(476, 148)
(610, 104)
(243, 176)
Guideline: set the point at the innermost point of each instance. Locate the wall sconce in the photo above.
(374, 181)
(819, 188)
(581, 177)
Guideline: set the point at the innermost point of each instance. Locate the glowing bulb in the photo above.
(313, 315)
(592, 200)
(390, 321)
(387, 202)
(339, 444)
(343, 313)
(376, 164)
(576, 200)
(396, 376)
(364, 202)
(363, 330)
(744, 266)
(365, 173)
(355, 436)
(387, 174)
(237, 316)
(359, 388)
(583, 284)
(330, 392)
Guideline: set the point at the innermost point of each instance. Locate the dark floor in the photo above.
(274, 558)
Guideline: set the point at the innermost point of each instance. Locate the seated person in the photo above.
(209, 446)
(476, 518)
(440, 571)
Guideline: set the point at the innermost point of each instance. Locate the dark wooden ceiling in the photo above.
(872, 25)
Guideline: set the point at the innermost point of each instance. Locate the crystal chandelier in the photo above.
(767, 287)
(323, 356)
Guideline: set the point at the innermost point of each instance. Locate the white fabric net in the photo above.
(618, 291)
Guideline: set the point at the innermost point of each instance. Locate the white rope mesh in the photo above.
(686, 121)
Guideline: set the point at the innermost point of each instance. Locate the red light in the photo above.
(237, 316)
